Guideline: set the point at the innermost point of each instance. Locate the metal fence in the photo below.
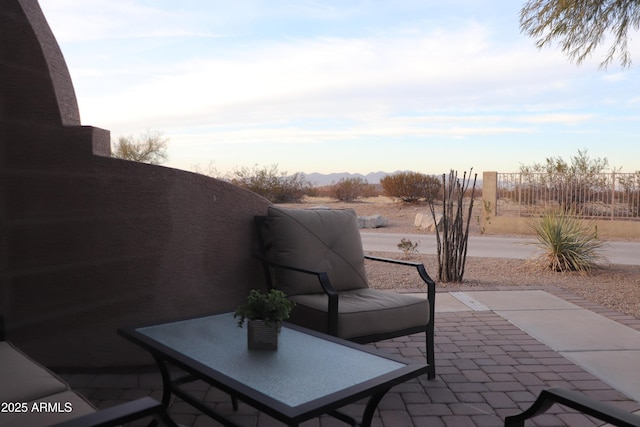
(614, 196)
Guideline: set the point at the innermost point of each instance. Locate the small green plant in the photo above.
(568, 244)
(272, 307)
(408, 247)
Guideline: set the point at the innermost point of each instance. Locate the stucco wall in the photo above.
(89, 243)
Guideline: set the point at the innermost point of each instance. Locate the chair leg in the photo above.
(430, 347)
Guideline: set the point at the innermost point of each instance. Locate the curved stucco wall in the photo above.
(89, 243)
(117, 243)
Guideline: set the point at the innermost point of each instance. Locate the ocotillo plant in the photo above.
(453, 235)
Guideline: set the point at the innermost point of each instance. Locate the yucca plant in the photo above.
(568, 244)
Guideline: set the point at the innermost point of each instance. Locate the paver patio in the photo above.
(487, 368)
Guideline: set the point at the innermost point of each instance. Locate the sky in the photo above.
(343, 86)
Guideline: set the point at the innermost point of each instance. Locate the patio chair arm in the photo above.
(123, 413)
(422, 271)
(327, 287)
(578, 401)
(323, 278)
(393, 261)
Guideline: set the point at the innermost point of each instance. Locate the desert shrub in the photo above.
(322, 191)
(312, 191)
(408, 247)
(411, 186)
(268, 182)
(568, 244)
(350, 189)
(570, 185)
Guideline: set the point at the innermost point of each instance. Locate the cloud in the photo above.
(92, 20)
(301, 77)
(558, 118)
(615, 77)
(328, 77)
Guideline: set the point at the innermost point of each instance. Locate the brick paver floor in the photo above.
(487, 369)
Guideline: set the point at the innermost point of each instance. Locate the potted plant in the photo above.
(264, 313)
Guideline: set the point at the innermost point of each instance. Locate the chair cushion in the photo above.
(23, 379)
(363, 312)
(323, 240)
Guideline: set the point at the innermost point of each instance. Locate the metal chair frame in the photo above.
(262, 225)
(578, 401)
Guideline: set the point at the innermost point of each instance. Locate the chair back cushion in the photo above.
(322, 240)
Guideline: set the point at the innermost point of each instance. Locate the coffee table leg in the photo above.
(370, 409)
(166, 382)
(170, 386)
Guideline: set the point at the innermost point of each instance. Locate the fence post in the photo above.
(489, 198)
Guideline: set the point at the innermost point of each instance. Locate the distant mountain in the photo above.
(320, 179)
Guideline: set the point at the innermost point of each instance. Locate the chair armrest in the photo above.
(422, 271)
(577, 401)
(327, 287)
(392, 261)
(123, 413)
(323, 278)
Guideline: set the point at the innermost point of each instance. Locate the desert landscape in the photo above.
(614, 286)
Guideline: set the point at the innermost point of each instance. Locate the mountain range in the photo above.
(320, 179)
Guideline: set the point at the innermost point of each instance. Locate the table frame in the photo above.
(374, 388)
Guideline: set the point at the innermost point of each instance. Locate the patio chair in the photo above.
(315, 256)
(27, 384)
(578, 401)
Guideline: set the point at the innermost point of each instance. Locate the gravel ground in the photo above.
(613, 286)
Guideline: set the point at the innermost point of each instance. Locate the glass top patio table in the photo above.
(309, 370)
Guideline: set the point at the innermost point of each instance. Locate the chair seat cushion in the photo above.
(23, 379)
(363, 312)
